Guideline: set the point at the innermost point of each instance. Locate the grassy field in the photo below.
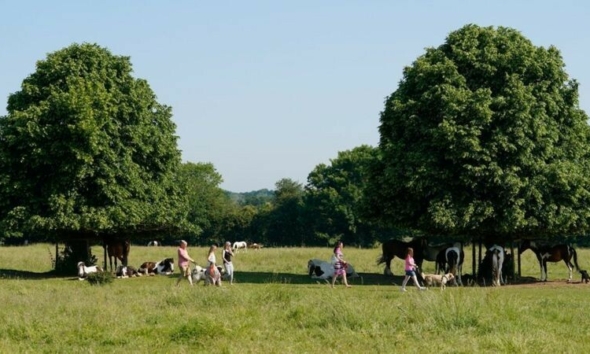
(274, 307)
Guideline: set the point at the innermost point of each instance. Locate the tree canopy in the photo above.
(333, 198)
(86, 149)
(484, 136)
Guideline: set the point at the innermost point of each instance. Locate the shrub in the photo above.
(100, 278)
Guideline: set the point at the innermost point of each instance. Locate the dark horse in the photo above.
(450, 260)
(118, 249)
(556, 253)
(396, 248)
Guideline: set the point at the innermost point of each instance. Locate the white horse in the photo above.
(497, 261)
(240, 245)
(153, 243)
(83, 270)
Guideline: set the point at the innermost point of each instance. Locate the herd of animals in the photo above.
(494, 266)
(448, 260)
(119, 250)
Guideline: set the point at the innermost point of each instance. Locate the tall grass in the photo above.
(274, 307)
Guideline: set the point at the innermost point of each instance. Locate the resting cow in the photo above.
(319, 269)
(165, 266)
(126, 272)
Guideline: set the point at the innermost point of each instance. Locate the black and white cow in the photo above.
(165, 266)
(126, 272)
(319, 269)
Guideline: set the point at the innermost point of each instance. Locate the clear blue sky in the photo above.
(267, 90)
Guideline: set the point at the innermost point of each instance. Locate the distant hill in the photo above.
(256, 198)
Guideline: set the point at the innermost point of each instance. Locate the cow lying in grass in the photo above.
(126, 272)
(83, 270)
(319, 269)
(165, 266)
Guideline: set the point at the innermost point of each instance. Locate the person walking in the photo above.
(214, 274)
(340, 264)
(227, 254)
(410, 268)
(183, 263)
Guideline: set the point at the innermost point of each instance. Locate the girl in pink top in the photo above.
(183, 263)
(410, 267)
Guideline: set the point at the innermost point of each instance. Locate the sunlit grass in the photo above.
(275, 308)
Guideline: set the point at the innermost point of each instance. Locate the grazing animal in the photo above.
(126, 272)
(117, 249)
(83, 270)
(395, 248)
(556, 253)
(238, 245)
(437, 279)
(454, 257)
(165, 266)
(256, 246)
(153, 243)
(585, 277)
(497, 255)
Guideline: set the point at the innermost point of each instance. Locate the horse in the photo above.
(497, 255)
(83, 270)
(431, 253)
(453, 257)
(240, 245)
(395, 248)
(117, 249)
(153, 243)
(556, 253)
(256, 246)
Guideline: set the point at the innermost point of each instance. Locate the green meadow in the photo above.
(274, 307)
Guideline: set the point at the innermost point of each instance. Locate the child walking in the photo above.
(410, 268)
(339, 264)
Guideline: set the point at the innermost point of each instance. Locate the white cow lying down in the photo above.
(319, 269)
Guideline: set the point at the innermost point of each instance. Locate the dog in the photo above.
(585, 276)
(438, 280)
(199, 273)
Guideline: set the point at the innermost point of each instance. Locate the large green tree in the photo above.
(86, 150)
(484, 136)
(282, 225)
(333, 198)
(210, 208)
